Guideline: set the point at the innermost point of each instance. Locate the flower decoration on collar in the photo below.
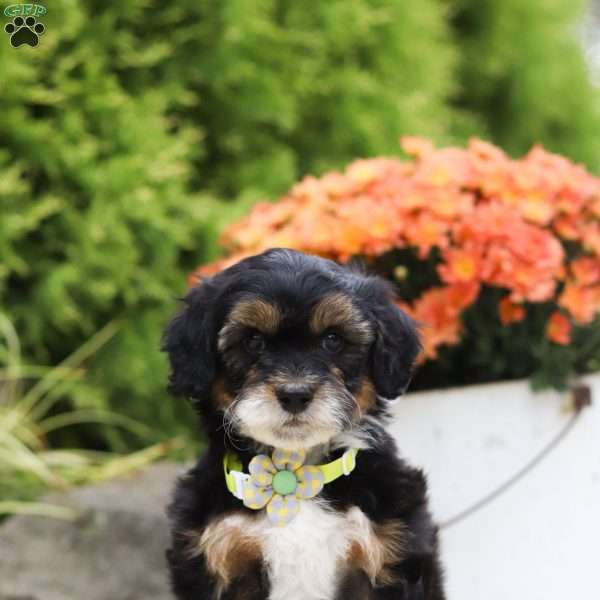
(280, 483)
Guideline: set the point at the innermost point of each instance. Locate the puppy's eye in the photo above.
(255, 343)
(332, 342)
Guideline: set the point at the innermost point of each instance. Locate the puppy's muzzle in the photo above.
(294, 399)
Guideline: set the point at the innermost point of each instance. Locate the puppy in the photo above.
(292, 362)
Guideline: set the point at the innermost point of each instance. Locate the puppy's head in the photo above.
(289, 349)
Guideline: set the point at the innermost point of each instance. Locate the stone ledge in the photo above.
(115, 551)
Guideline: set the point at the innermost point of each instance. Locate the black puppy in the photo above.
(292, 362)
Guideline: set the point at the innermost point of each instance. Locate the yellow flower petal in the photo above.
(281, 510)
(261, 470)
(256, 497)
(310, 482)
(288, 459)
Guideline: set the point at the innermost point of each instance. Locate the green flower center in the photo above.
(284, 483)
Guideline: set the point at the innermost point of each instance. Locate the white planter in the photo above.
(537, 540)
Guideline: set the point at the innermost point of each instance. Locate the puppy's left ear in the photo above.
(190, 341)
(396, 345)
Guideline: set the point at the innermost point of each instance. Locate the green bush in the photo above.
(96, 224)
(524, 75)
(286, 89)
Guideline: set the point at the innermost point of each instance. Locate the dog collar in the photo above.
(280, 481)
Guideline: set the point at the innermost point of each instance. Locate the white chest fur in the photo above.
(305, 557)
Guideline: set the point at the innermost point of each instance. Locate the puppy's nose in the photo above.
(294, 400)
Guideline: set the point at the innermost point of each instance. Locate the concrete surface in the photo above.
(114, 552)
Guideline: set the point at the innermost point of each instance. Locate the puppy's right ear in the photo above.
(190, 340)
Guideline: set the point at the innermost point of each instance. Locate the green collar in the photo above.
(281, 481)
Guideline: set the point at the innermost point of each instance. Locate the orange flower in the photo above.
(459, 266)
(201, 273)
(481, 217)
(435, 332)
(361, 172)
(510, 312)
(558, 329)
(416, 146)
(461, 295)
(591, 238)
(586, 270)
(582, 302)
(425, 233)
(516, 255)
(567, 227)
(438, 311)
(486, 151)
(535, 208)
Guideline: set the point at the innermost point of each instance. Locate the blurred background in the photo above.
(136, 133)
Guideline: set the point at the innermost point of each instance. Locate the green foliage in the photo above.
(524, 75)
(286, 89)
(277, 88)
(95, 219)
(27, 395)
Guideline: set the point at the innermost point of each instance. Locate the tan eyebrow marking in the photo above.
(338, 310)
(257, 313)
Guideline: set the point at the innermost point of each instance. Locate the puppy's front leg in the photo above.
(399, 551)
(192, 580)
(189, 578)
(418, 578)
(252, 585)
